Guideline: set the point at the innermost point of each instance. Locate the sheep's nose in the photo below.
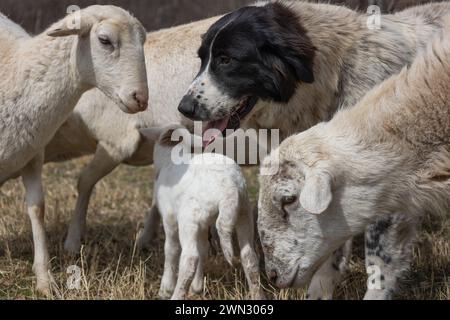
(273, 276)
(141, 98)
(188, 105)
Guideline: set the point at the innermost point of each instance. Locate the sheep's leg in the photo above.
(389, 244)
(203, 246)
(150, 232)
(101, 165)
(249, 259)
(330, 274)
(190, 257)
(32, 180)
(172, 251)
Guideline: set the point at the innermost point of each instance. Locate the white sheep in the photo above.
(114, 138)
(389, 153)
(193, 196)
(42, 79)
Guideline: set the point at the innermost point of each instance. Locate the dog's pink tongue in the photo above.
(211, 130)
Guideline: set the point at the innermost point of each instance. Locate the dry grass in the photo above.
(113, 270)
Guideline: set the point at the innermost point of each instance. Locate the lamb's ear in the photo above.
(316, 195)
(73, 24)
(151, 134)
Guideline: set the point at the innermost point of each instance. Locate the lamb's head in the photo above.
(172, 143)
(305, 210)
(109, 53)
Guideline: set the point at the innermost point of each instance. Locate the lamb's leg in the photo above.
(249, 258)
(389, 244)
(190, 257)
(203, 246)
(101, 165)
(330, 274)
(32, 180)
(150, 232)
(172, 251)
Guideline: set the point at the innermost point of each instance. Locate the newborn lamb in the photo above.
(206, 190)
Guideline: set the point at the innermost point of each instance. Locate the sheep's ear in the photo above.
(73, 24)
(316, 195)
(151, 134)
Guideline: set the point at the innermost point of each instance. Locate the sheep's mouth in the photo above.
(232, 122)
(124, 106)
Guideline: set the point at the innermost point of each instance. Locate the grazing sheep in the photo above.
(390, 153)
(42, 79)
(193, 196)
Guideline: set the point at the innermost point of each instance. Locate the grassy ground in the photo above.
(111, 268)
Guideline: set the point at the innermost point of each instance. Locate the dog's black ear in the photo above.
(281, 80)
(287, 39)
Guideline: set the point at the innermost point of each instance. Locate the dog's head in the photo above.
(255, 53)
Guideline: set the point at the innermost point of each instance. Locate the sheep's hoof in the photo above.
(72, 247)
(165, 293)
(178, 297)
(144, 242)
(43, 288)
(47, 287)
(258, 295)
(196, 290)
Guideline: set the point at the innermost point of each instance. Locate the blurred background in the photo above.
(36, 15)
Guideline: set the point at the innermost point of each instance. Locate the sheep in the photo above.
(389, 152)
(42, 79)
(171, 61)
(189, 211)
(344, 72)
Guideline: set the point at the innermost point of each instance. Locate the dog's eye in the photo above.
(224, 60)
(104, 41)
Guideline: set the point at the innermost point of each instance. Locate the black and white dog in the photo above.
(290, 65)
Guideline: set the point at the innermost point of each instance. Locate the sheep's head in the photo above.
(301, 216)
(110, 54)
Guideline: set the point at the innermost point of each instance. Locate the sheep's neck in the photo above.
(46, 89)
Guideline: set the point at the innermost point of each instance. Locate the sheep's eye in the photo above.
(224, 60)
(287, 200)
(104, 40)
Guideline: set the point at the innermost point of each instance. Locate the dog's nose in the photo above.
(188, 105)
(273, 275)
